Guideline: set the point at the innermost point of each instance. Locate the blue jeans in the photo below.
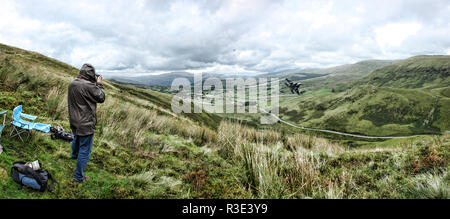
(81, 150)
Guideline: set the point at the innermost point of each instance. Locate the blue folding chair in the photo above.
(21, 126)
(2, 126)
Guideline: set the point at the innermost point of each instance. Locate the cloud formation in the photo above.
(251, 36)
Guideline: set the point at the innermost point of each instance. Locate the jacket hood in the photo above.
(88, 72)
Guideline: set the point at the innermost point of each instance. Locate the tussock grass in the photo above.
(57, 104)
(302, 166)
(431, 186)
(274, 169)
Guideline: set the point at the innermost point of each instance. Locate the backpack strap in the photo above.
(52, 184)
(15, 175)
(36, 176)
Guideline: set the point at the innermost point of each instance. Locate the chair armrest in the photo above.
(30, 125)
(28, 116)
(3, 112)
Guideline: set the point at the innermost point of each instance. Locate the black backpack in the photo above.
(37, 180)
(59, 133)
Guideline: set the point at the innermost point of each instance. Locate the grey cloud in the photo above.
(262, 36)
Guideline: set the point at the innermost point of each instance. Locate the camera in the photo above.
(35, 165)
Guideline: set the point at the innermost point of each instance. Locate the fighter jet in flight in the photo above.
(294, 86)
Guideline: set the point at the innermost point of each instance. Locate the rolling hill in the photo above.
(373, 111)
(167, 78)
(357, 70)
(406, 97)
(155, 80)
(417, 72)
(337, 78)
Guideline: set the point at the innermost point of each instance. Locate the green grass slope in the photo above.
(370, 110)
(338, 77)
(415, 72)
(405, 98)
(354, 71)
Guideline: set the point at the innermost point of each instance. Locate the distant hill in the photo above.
(324, 77)
(357, 69)
(415, 72)
(336, 78)
(286, 72)
(155, 80)
(166, 79)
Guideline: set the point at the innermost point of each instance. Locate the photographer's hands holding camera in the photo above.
(99, 79)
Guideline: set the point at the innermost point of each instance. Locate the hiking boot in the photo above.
(85, 179)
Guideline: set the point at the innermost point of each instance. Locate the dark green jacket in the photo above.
(83, 96)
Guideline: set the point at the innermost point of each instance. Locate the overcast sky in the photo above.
(245, 37)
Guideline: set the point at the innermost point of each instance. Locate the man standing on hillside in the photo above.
(85, 92)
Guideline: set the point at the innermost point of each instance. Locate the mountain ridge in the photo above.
(416, 72)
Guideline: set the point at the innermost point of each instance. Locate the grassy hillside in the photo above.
(377, 111)
(405, 98)
(338, 78)
(416, 72)
(358, 69)
(142, 150)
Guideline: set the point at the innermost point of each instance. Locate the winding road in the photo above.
(336, 132)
